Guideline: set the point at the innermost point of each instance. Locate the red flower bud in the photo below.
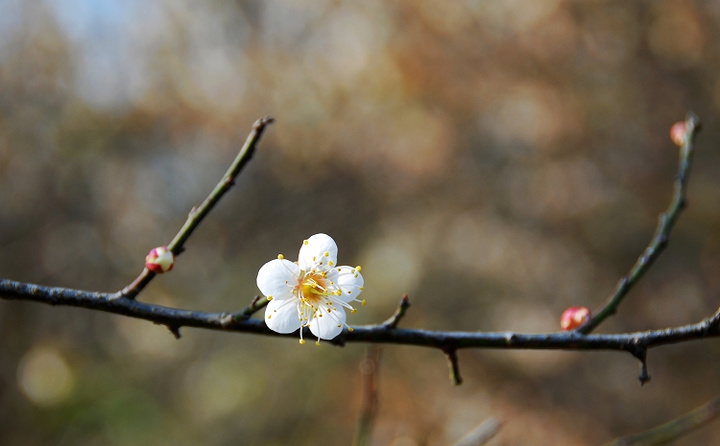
(678, 133)
(574, 317)
(160, 260)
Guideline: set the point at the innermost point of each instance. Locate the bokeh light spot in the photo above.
(44, 376)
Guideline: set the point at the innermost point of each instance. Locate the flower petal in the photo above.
(329, 325)
(277, 278)
(319, 251)
(282, 316)
(349, 280)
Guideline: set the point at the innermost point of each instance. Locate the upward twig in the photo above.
(659, 240)
(197, 214)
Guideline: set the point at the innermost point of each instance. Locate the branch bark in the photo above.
(377, 333)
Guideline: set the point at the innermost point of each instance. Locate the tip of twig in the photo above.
(175, 330)
(402, 307)
(644, 376)
(263, 122)
(453, 365)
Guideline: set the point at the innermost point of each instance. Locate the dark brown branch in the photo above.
(400, 311)
(197, 214)
(666, 221)
(378, 333)
(449, 342)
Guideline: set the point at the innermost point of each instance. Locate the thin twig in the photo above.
(453, 366)
(674, 429)
(255, 305)
(659, 240)
(197, 214)
(400, 311)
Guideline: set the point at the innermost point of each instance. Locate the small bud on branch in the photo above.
(574, 317)
(678, 133)
(160, 260)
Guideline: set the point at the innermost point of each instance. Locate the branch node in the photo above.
(175, 330)
(261, 123)
(510, 338)
(454, 365)
(641, 354)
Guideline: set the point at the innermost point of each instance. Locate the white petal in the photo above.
(282, 316)
(329, 325)
(319, 251)
(349, 280)
(277, 278)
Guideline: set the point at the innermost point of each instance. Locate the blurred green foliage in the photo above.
(497, 161)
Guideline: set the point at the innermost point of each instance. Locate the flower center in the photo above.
(312, 287)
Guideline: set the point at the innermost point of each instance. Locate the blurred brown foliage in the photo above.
(497, 161)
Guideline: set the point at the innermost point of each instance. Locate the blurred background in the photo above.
(497, 161)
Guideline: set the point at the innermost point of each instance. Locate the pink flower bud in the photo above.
(574, 317)
(678, 133)
(160, 260)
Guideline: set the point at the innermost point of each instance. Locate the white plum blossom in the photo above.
(312, 292)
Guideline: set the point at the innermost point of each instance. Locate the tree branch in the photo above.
(197, 214)
(637, 344)
(659, 240)
(377, 333)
